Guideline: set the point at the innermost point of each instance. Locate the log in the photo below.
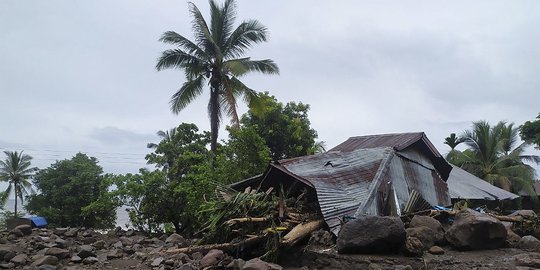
(234, 221)
(227, 247)
(301, 231)
(507, 218)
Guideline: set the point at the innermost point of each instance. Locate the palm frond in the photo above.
(221, 21)
(203, 37)
(177, 58)
(228, 102)
(171, 37)
(251, 97)
(187, 93)
(240, 67)
(243, 37)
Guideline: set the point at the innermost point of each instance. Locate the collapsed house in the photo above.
(389, 174)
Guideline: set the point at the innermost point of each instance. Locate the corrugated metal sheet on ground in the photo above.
(463, 185)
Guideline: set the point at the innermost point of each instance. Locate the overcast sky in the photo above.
(79, 75)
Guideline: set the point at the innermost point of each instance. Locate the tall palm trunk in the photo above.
(213, 107)
(16, 201)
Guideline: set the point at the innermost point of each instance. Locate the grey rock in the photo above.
(212, 257)
(58, 252)
(16, 232)
(529, 242)
(436, 250)
(472, 231)
(113, 254)
(76, 259)
(9, 255)
(61, 242)
(47, 267)
(431, 223)
(424, 234)
(157, 262)
(531, 259)
(236, 264)
(371, 234)
(90, 260)
(523, 213)
(413, 246)
(187, 266)
(60, 231)
(99, 244)
(19, 259)
(258, 264)
(71, 232)
(176, 239)
(47, 259)
(196, 256)
(7, 265)
(25, 229)
(86, 251)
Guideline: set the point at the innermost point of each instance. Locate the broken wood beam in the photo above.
(234, 221)
(301, 231)
(227, 247)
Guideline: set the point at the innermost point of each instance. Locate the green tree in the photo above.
(530, 132)
(174, 192)
(17, 172)
(216, 57)
(285, 129)
(495, 156)
(245, 154)
(73, 193)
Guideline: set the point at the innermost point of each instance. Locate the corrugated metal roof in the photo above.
(398, 141)
(463, 185)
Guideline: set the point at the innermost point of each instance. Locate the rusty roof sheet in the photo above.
(463, 185)
(398, 141)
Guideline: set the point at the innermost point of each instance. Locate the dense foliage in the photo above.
(530, 132)
(285, 128)
(17, 172)
(73, 192)
(216, 57)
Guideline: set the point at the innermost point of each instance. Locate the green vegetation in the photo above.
(16, 171)
(217, 57)
(494, 155)
(285, 129)
(530, 132)
(73, 193)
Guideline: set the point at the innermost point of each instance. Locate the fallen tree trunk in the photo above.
(435, 213)
(234, 221)
(507, 218)
(227, 247)
(301, 231)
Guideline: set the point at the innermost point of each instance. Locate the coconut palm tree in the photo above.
(164, 135)
(16, 171)
(216, 58)
(494, 156)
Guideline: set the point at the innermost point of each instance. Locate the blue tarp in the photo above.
(38, 222)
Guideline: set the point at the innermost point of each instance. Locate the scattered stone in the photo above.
(258, 264)
(86, 251)
(47, 259)
(236, 264)
(531, 259)
(90, 260)
(61, 242)
(19, 259)
(176, 239)
(9, 255)
(321, 238)
(47, 267)
(71, 232)
(76, 259)
(100, 244)
(16, 232)
(413, 246)
(436, 250)
(113, 254)
(187, 266)
(196, 256)
(58, 252)
(529, 242)
(472, 230)
(371, 234)
(157, 262)
(7, 265)
(25, 229)
(512, 238)
(212, 257)
(60, 231)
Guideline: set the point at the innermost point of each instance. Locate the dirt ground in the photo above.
(497, 259)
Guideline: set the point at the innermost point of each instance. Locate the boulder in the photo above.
(512, 239)
(424, 234)
(258, 264)
(71, 232)
(86, 251)
(472, 230)
(16, 232)
(90, 260)
(529, 242)
(113, 254)
(8, 256)
(157, 262)
(523, 213)
(371, 234)
(212, 257)
(25, 229)
(431, 223)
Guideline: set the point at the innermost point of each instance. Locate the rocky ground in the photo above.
(420, 248)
